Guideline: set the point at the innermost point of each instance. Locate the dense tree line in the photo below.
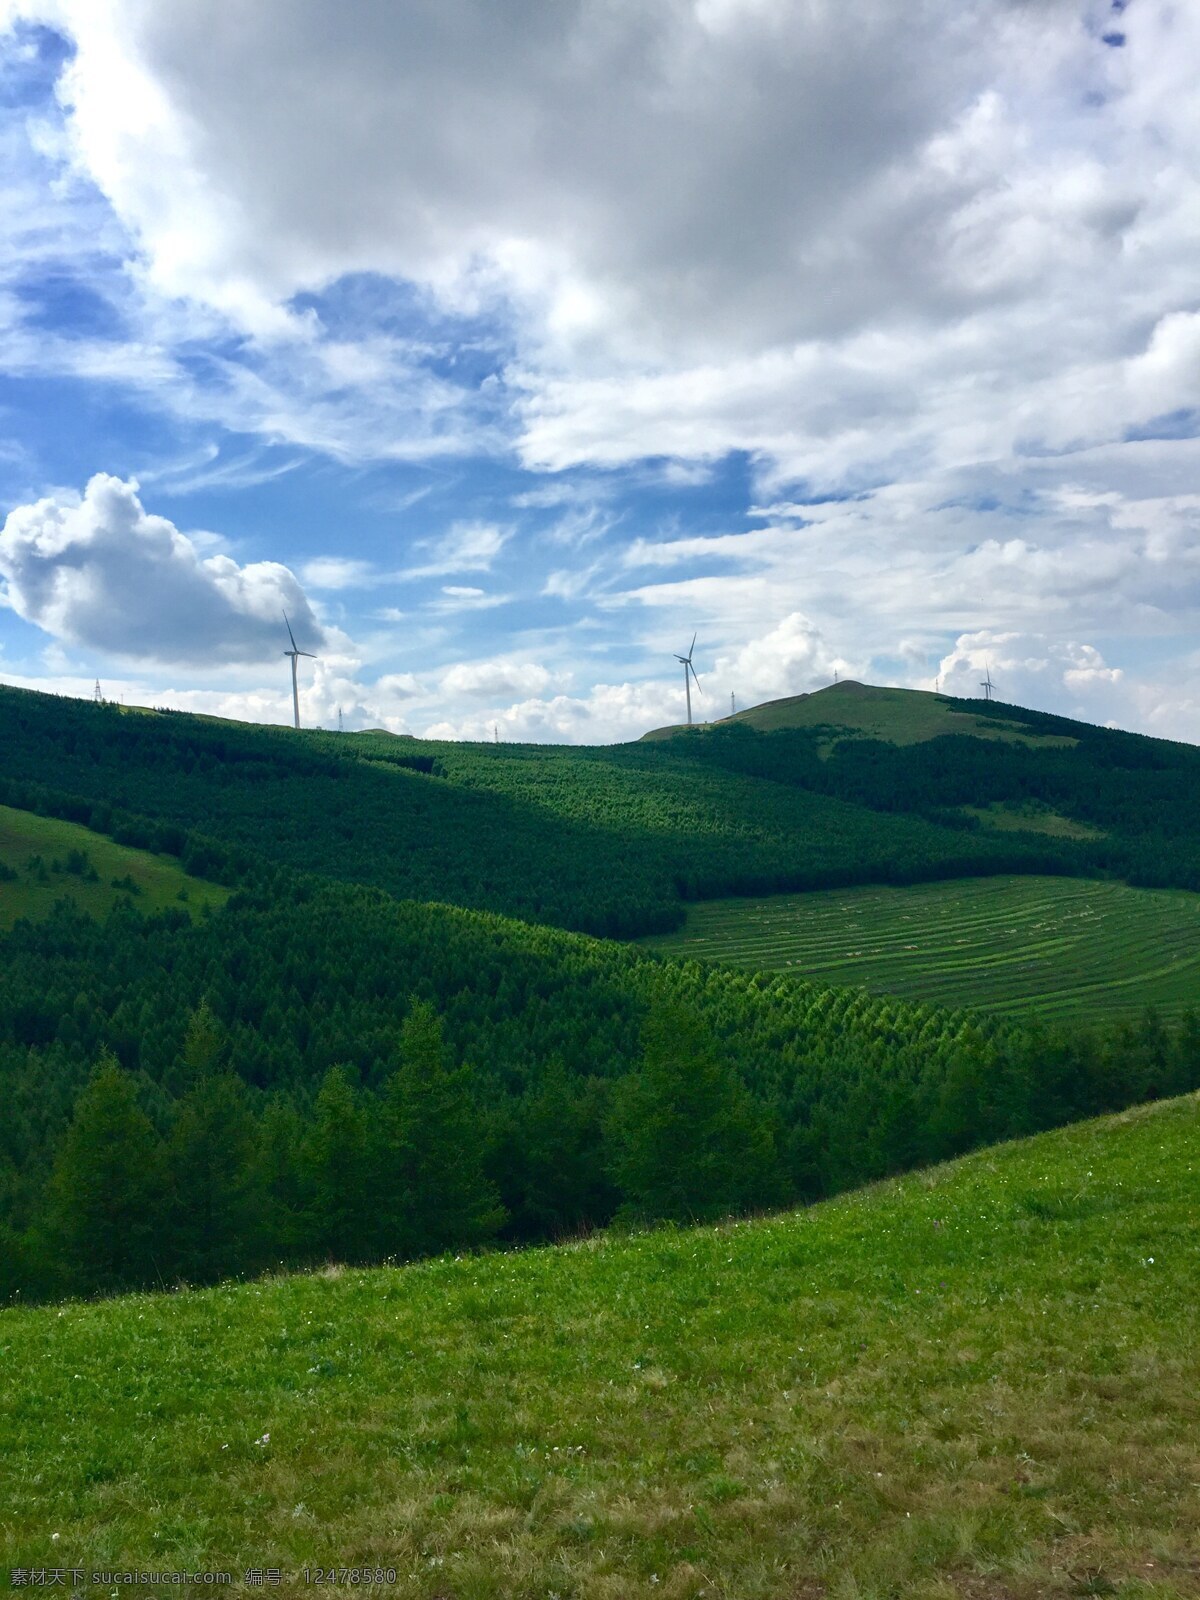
(602, 841)
(1142, 794)
(331, 1074)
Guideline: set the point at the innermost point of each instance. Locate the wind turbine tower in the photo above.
(295, 655)
(689, 673)
(986, 683)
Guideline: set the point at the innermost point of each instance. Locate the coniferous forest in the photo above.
(410, 1029)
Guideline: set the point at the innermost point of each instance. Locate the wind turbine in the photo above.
(986, 683)
(295, 655)
(689, 669)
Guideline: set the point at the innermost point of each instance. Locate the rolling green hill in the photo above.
(608, 841)
(861, 710)
(980, 1380)
(1051, 947)
(390, 954)
(50, 860)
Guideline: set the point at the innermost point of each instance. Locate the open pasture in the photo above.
(977, 1383)
(1058, 947)
(52, 860)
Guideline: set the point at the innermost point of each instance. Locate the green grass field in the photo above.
(153, 881)
(1060, 947)
(978, 1381)
(898, 716)
(1030, 818)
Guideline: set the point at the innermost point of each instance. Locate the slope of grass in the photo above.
(1031, 818)
(980, 1380)
(42, 851)
(899, 716)
(1058, 947)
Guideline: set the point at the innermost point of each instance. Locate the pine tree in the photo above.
(560, 1157)
(106, 1186)
(216, 1211)
(280, 1181)
(687, 1141)
(202, 1048)
(333, 1164)
(433, 1192)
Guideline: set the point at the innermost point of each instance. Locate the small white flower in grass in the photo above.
(55, 1537)
(266, 1439)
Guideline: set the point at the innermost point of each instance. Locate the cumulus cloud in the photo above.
(1069, 677)
(932, 263)
(792, 658)
(492, 679)
(99, 571)
(882, 237)
(607, 713)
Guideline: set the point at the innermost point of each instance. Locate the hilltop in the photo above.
(979, 1380)
(898, 716)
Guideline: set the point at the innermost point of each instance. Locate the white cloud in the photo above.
(458, 599)
(98, 571)
(496, 678)
(791, 659)
(1069, 678)
(608, 712)
(338, 572)
(897, 240)
(939, 257)
(468, 546)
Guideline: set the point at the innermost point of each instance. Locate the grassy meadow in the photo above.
(53, 860)
(898, 716)
(980, 1380)
(1062, 948)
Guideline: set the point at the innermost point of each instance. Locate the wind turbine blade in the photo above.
(288, 626)
(691, 648)
(695, 679)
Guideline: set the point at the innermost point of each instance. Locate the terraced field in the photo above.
(1060, 947)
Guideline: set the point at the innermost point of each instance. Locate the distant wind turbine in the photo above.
(295, 655)
(986, 683)
(689, 673)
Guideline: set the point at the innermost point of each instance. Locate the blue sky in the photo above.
(506, 348)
